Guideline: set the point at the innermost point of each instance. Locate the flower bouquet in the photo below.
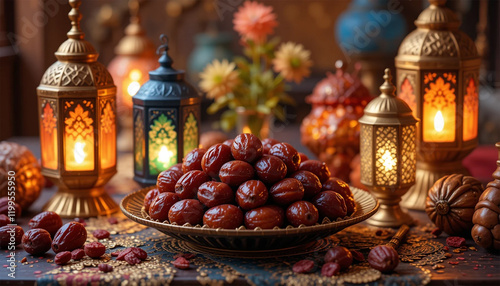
(252, 87)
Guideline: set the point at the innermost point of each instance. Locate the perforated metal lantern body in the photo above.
(388, 153)
(77, 116)
(437, 75)
(166, 121)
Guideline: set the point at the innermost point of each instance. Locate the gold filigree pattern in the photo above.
(386, 156)
(49, 121)
(101, 75)
(53, 74)
(79, 123)
(108, 118)
(366, 153)
(408, 155)
(408, 95)
(412, 44)
(471, 110)
(139, 141)
(439, 44)
(76, 75)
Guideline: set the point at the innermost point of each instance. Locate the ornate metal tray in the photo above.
(244, 239)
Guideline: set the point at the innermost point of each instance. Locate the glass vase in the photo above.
(252, 121)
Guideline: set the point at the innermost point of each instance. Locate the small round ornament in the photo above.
(451, 201)
(17, 162)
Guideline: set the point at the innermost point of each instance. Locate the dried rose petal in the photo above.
(104, 267)
(329, 269)
(303, 266)
(455, 241)
(101, 233)
(181, 263)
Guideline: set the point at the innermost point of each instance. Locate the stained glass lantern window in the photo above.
(388, 153)
(77, 108)
(166, 117)
(437, 75)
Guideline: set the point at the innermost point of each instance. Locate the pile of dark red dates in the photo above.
(259, 184)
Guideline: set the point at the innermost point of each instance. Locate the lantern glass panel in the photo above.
(366, 154)
(140, 143)
(408, 95)
(162, 145)
(79, 135)
(471, 109)
(48, 135)
(190, 133)
(439, 106)
(386, 156)
(408, 155)
(107, 138)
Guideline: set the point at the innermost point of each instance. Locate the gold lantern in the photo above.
(77, 109)
(388, 153)
(437, 75)
(135, 57)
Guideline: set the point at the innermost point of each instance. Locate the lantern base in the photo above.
(390, 214)
(427, 175)
(81, 203)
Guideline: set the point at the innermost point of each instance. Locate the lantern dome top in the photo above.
(387, 109)
(135, 42)
(340, 88)
(437, 35)
(77, 64)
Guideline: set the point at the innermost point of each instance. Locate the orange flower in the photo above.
(254, 21)
(292, 61)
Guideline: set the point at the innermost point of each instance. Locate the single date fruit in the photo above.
(192, 161)
(270, 169)
(330, 204)
(188, 184)
(287, 191)
(318, 168)
(223, 216)
(304, 266)
(101, 233)
(94, 249)
(62, 258)
(213, 193)
(337, 185)
(214, 158)
(167, 179)
(77, 254)
(267, 144)
(50, 221)
(265, 217)
(135, 251)
(340, 255)
(6, 235)
(132, 259)
(330, 269)
(383, 258)
(104, 267)
(251, 194)
(148, 199)
(36, 241)
(311, 183)
(161, 205)
(235, 173)
(247, 147)
(302, 212)
(69, 237)
(288, 155)
(186, 211)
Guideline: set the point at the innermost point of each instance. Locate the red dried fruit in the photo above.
(287, 191)
(7, 206)
(436, 231)
(455, 241)
(95, 249)
(77, 254)
(213, 193)
(214, 158)
(357, 256)
(189, 255)
(267, 144)
(115, 253)
(36, 241)
(132, 259)
(5, 235)
(303, 266)
(330, 204)
(265, 217)
(161, 205)
(100, 233)
(4, 220)
(62, 258)
(138, 252)
(302, 212)
(188, 184)
(247, 147)
(192, 161)
(50, 221)
(149, 198)
(311, 183)
(318, 168)
(181, 263)
(113, 220)
(288, 155)
(69, 237)
(235, 173)
(223, 216)
(167, 179)
(251, 194)
(270, 169)
(104, 267)
(340, 255)
(186, 211)
(383, 258)
(329, 269)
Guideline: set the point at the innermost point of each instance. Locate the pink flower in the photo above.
(254, 21)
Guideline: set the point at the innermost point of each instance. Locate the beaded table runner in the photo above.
(263, 268)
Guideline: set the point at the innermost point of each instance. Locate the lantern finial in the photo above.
(165, 60)
(387, 88)
(75, 16)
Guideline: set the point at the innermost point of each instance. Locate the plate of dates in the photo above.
(248, 194)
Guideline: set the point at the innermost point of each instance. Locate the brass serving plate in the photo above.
(244, 239)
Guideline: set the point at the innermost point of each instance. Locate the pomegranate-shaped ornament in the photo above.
(331, 130)
(451, 201)
(486, 219)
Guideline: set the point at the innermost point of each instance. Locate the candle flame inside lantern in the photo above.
(387, 160)
(135, 75)
(439, 121)
(164, 155)
(79, 152)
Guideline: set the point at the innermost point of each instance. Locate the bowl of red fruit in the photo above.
(248, 194)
